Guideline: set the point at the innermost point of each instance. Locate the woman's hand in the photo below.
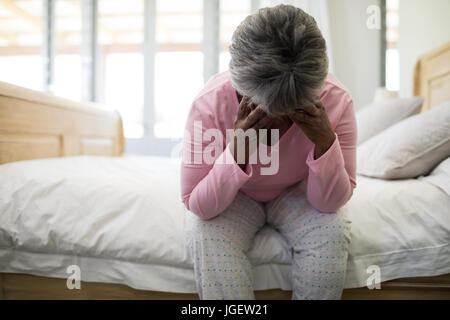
(314, 122)
(248, 117)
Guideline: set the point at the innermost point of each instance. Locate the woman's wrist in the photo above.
(322, 147)
(235, 152)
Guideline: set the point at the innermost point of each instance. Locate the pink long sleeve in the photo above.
(208, 189)
(332, 177)
(217, 189)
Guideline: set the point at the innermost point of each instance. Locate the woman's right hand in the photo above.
(249, 120)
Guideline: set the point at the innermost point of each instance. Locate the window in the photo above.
(67, 82)
(232, 13)
(116, 76)
(121, 62)
(392, 53)
(20, 43)
(178, 64)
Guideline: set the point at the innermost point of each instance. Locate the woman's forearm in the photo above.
(211, 195)
(329, 184)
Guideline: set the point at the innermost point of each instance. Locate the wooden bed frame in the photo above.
(37, 125)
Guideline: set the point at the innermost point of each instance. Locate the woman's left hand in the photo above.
(314, 122)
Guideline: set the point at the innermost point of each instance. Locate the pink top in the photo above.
(209, 187)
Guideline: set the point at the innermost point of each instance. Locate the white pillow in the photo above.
(380, 115)
(408, 149)
(440, 176)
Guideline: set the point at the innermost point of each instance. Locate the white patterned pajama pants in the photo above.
(319, 242)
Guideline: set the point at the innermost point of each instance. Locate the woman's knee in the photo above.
(210, 233)
(237, 225)
(200, 229)
(334, 228)
(221, 236)
(330, 230)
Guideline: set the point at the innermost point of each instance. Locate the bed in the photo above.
(125, 229)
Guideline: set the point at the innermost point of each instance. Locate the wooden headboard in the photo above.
(432, 77)
(37, 125)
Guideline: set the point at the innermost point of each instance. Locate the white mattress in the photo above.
(121, 220)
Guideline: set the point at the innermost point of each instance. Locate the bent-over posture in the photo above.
(277, 84)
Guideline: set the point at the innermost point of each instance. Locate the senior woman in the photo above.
(278, 80)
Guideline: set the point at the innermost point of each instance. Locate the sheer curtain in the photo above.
(318, 9)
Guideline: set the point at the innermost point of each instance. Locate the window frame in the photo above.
(149, 143)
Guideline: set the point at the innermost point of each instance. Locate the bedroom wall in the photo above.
(423, 26)
(356, 49)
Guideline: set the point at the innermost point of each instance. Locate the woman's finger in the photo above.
(252, 106)
(312, 110)
(254, 116)
(241, 112)
(243, 109)
(304, 119)
(298, 116)
(263, 123)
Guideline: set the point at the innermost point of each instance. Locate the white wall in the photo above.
(356, 49)
(424, 25)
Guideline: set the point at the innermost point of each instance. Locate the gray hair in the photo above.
(278, 59)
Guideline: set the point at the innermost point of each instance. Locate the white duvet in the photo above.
(121, 221)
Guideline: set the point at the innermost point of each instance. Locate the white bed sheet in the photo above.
(121, 220)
